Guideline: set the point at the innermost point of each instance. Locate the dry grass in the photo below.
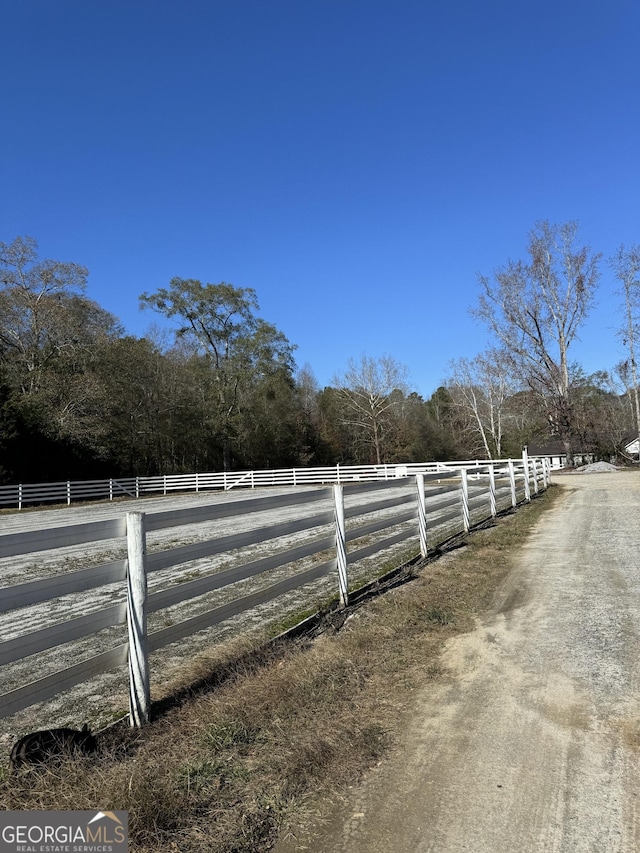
(251, 734)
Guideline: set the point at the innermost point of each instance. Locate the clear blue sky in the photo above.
(356, 162)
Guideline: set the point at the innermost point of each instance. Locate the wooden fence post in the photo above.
(512, 480)
(139, 682)
(341, 544)
(422, 515)
(464, 489)
(492, 491)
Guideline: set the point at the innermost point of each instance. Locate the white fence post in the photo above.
(20, 496)
(512, 480)
(68, 493)
(534, 466)
(422, 515)
(464, 488)
(492, 491)
(546, 473)
(139, 682)
(525, 468)
(341, 544)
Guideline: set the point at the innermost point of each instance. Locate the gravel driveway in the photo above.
(532, 741)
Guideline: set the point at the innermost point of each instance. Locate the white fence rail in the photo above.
(426, 508)
(68, 491)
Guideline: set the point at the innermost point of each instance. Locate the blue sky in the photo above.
(356, 162)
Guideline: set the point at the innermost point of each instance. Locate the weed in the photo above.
(211, 776)
(295, 617)
(232, 733)
(439, 616)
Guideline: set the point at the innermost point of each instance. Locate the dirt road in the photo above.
(532, 740)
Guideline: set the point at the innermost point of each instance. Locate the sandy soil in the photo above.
(532, 740)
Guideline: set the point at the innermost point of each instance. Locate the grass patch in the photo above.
(295, 617)
(439, 616)
(249, 735)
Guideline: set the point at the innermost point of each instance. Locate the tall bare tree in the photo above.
(35, 301)
(535, 310)
(481, 387)
(367, 391)
(626, 267)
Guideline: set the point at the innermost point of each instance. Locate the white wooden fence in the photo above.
(28, 494)
(427, 508)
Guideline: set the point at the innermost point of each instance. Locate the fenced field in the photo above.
(22, 495)
(90, 593)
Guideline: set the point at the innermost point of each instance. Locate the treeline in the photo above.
(533, 310)
(80, 399)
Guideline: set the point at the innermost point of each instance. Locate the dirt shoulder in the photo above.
(531, 739)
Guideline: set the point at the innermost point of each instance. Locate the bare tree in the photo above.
(626, 266)
(36, 298)
(481, 387)
(367, 391)
(535, 310)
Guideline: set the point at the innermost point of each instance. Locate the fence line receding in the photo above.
(320, 533)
